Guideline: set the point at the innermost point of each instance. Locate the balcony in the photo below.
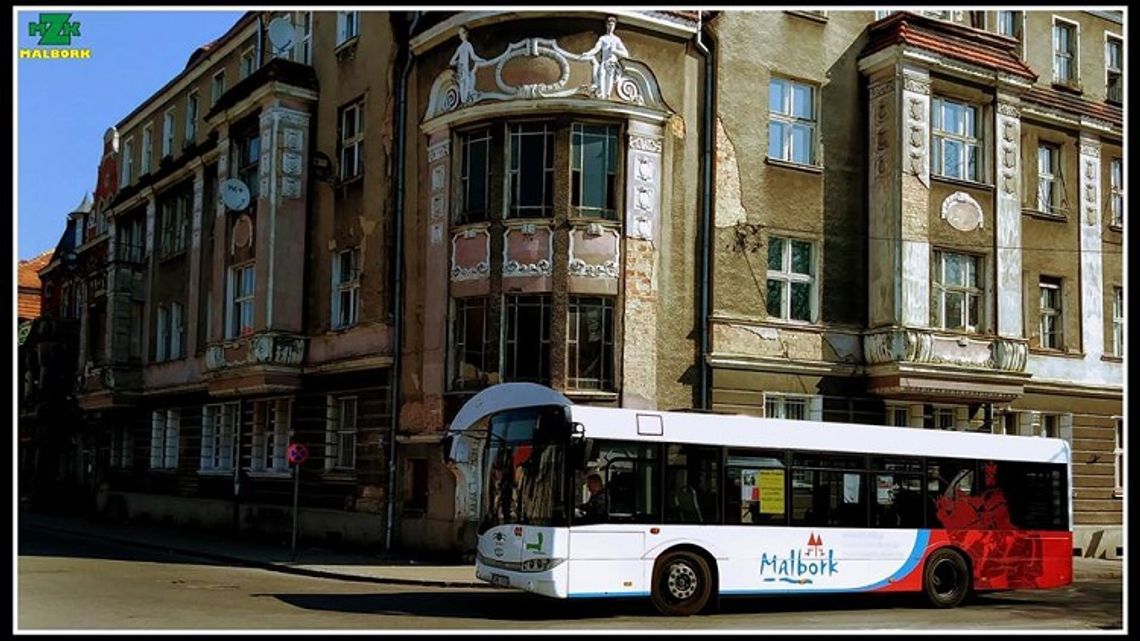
(262, 362)
(107, 385)
(924, 364)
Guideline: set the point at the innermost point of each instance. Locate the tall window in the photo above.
(590, 343)
(532, 168)
(1064, 52)
(956, 297)
(1050, 426)
(164, 439)
(175, 221)
(1118, 322)
(347, 26)
(1009, 24)
(475, 176)
(791, 281)
(247, 158)
(122, 447)
(168, 132)
(468, 342)
(1048, 178)
(956, 150)
(791, 121)
(247, 63)
(147, 148)
(351, 139)
(340, 436)
(218, 425)
(241, 301)
(788, 406)
(1118, 460)
(217, 87)
(593, 170)
(190, 133)
(1114, 68)
(1052, 321)
(303, 50)
(1116, 191)
(527, 338)
(271, 427)
(941, 418)
(171, 332)
(898, 415)
(346, 288)
(127, 169)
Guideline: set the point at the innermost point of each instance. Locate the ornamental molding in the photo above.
(515, 269)
(922, 346)
(1091, 149)
(613, 75)
(1008, 151)
(260, 349)
(646, 143)
(917, 138)
(882, 89)
(916, 85)
(962, 212)
(479, 270)
(608, 269)
(438, 151)
(1008, 109)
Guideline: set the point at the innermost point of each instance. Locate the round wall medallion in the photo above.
(243, 231)
(962, 211)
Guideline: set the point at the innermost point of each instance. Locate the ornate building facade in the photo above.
(855, 216)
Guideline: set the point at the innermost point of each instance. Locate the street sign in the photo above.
(298, 453)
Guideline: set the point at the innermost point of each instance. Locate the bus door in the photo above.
(616, 501)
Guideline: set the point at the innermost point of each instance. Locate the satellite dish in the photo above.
(281, 35)
(235, 194)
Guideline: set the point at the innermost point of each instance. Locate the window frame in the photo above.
(303, 29)
(234, 301)
(347, 21)
(611, 177)
(1015, 22)
(971, 139)
(1056, 286)
(349, 286)
(168, 132)
(337, 431)
(147, 151)
(1073, 54)
(219, 427)
(1116, 192)
(1053, 178)
(940, 290)
(270, 447)
(517, 130)
(780, 401)
(164, 443)
(128, 163)
(1118, 313)
(1118, 470)
(459, 345)
(247, 63)
(217, 86)
(579, 304)
(190, 126)
(1109, 39)
(510, 345)
(355, 142)
(464, 214)
(789, 120)
(788, 277)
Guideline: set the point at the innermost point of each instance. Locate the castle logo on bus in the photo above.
(800, 566)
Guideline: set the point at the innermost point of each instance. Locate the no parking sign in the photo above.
(298, 453)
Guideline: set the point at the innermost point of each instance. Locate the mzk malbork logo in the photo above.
(800, 566)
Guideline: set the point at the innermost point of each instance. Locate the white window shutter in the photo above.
(815, 408)
(1025, 424)
(1067, 428)
(332, 410)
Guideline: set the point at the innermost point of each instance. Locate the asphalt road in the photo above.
(67, 583)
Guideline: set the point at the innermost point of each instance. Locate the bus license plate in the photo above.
(500, 580)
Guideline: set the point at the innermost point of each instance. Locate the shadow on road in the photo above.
(514, 606)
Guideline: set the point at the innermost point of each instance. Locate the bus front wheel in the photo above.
(682, 583)
(946, 579)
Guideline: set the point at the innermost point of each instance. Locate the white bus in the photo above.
(683, 507)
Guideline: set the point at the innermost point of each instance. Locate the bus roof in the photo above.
(750, 431)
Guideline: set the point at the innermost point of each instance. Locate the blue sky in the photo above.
(64, 106)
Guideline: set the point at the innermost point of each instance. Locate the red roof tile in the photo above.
(957, 42)
(27, 275)
(1074, 105)
(27, 306)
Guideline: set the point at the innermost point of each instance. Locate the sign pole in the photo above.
(296, 494)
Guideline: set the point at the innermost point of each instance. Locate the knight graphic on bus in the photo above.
(701, 506)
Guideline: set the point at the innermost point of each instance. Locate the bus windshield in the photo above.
(524, 468)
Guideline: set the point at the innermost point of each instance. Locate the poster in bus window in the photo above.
(771, 484)
(884, 489)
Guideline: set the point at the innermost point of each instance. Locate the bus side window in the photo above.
(756, 488)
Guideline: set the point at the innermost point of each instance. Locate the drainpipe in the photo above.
(398, 277)
(704, 401)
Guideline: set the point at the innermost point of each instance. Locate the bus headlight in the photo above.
(540, 565)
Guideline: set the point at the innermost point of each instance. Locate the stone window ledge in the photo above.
(1055, 353)
(1109, 358)
(1042, 215)
(962, 182)
(776, 162)
(215, 472)
(810, 15)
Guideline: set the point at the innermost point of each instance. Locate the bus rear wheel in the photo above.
(682, 583)
(946, 579)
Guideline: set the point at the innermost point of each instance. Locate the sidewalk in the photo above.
(336, 565)
(310, 561)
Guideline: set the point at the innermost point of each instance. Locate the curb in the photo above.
(270, 565)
